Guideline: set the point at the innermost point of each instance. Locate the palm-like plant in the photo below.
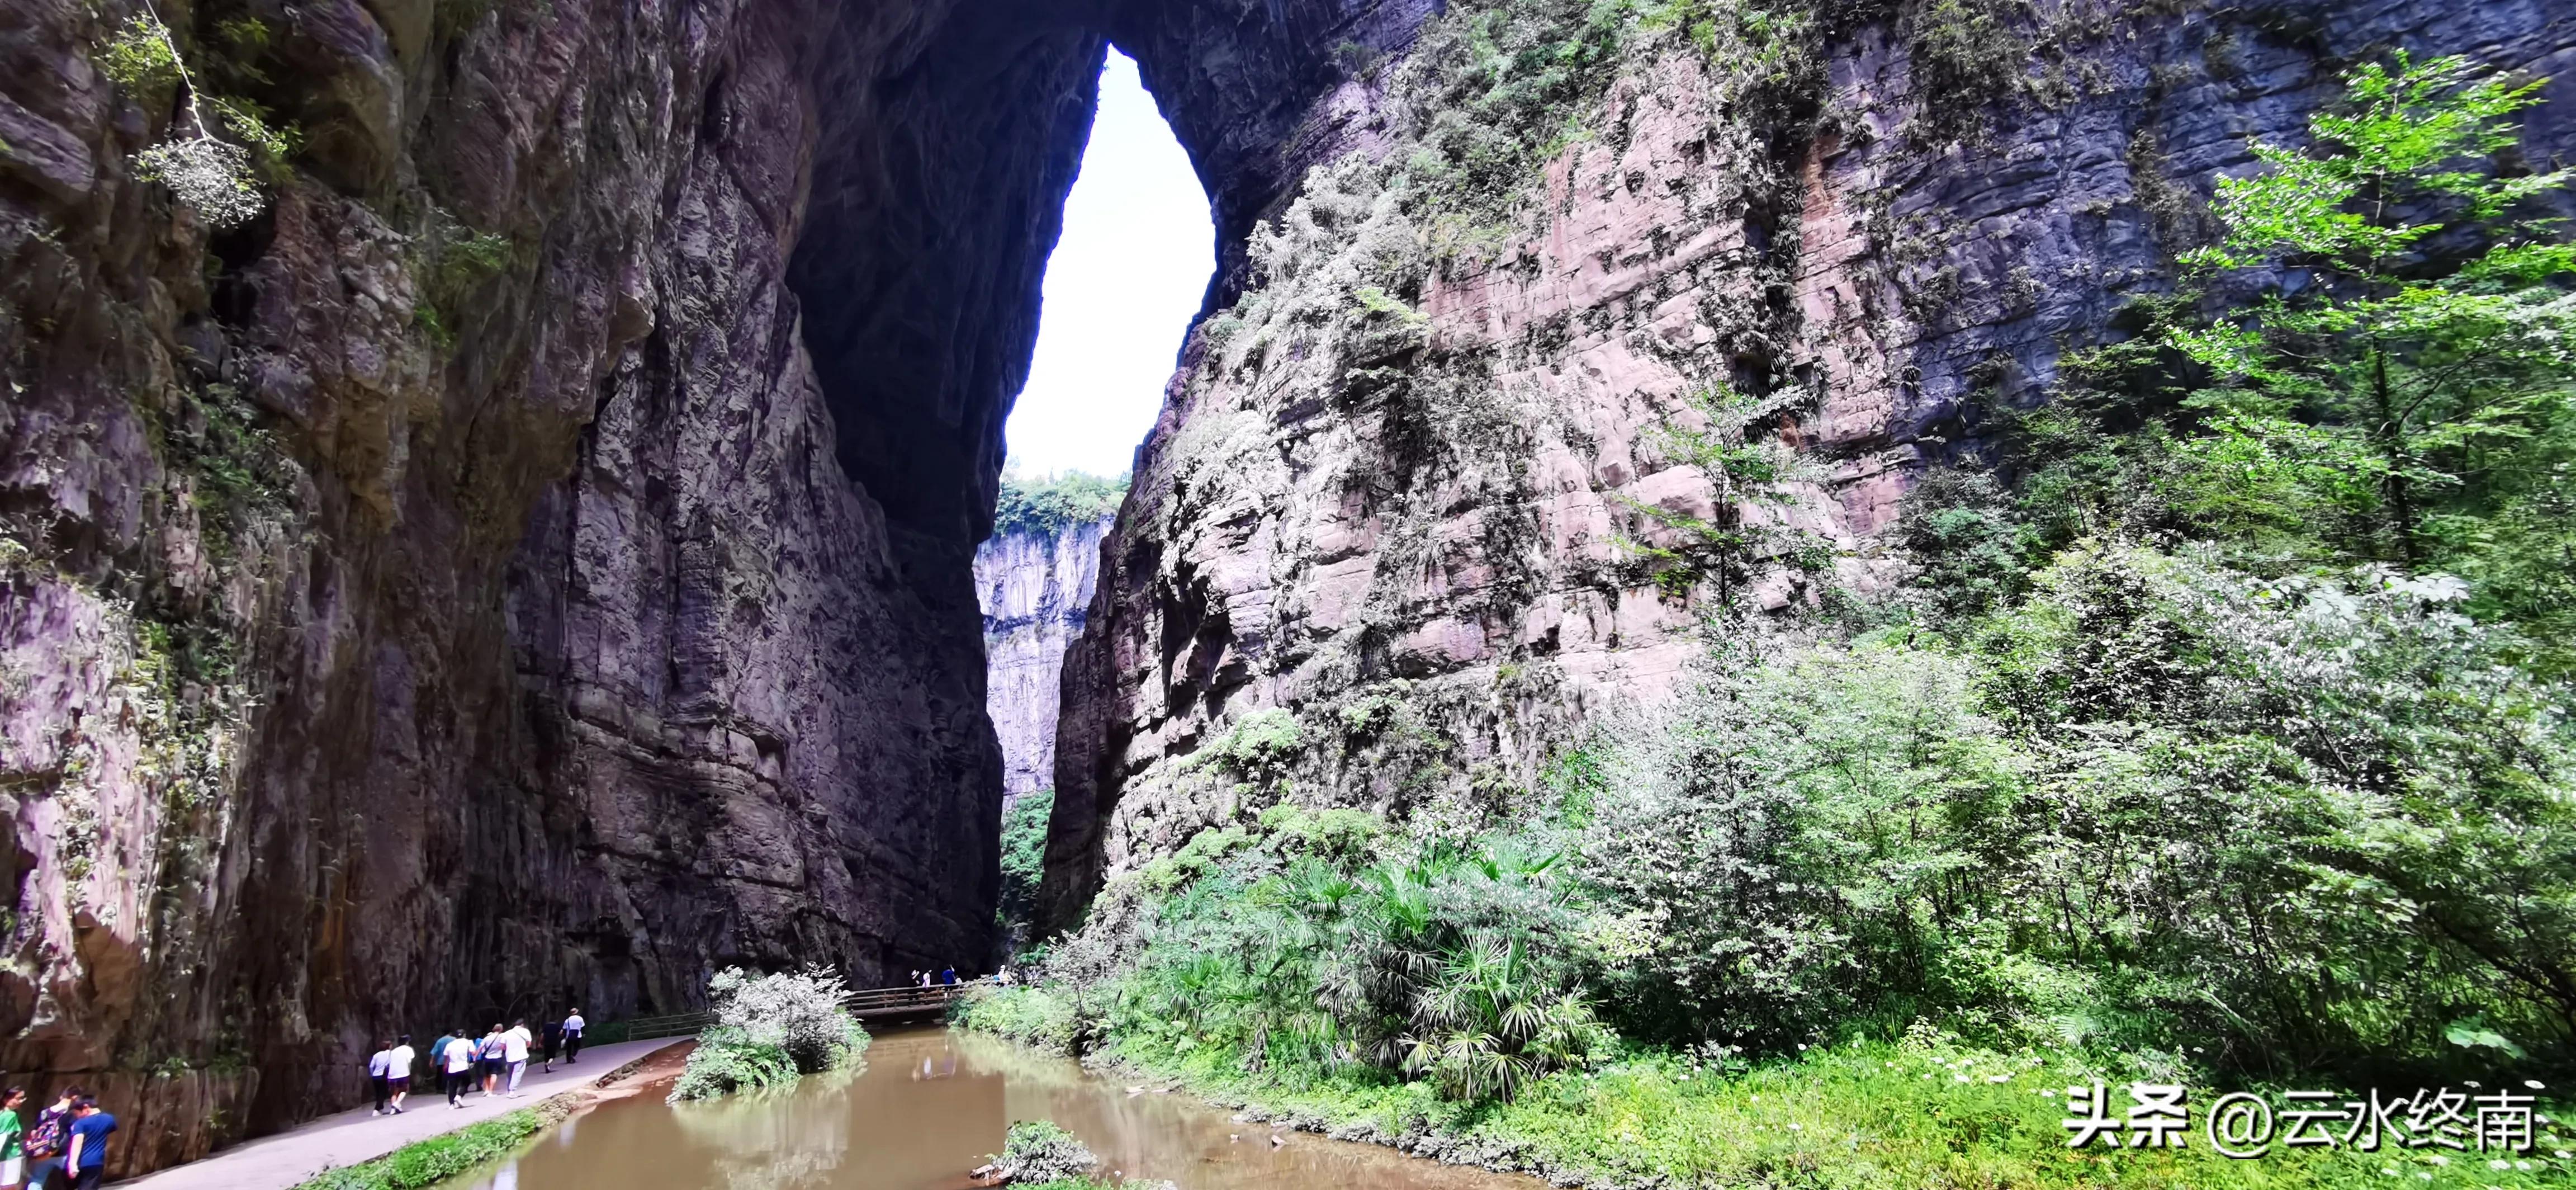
(1492, 1023)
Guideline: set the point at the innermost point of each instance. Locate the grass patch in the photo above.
(429, 1162)
(1924, 1112)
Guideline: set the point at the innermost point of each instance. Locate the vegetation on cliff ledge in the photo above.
(1046, 507)
(2221, 744)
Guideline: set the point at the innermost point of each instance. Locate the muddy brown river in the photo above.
(931, 1105)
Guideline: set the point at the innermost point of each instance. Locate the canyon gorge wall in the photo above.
(1035, 588)
(1378, 552)
(529, 564)
(532, 562)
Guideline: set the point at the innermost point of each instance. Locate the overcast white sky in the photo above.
(1124, 281)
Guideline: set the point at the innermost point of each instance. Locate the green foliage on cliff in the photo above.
(139, 59)
(1046, 507)
(2222, 738)
(1024, 838)
(2408, 404)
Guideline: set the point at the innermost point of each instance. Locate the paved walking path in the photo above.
(349, 1137)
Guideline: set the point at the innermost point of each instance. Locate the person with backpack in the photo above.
(13, 1155)
(46, 1138)
(86, 1158)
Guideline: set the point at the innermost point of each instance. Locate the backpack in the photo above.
(46, 1138)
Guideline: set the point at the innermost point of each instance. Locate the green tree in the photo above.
(1024, 839)
(1044, 507)
(1748, 534)
(2428, 347)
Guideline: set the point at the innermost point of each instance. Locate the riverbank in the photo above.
(354, 1138)
(1927, 1112)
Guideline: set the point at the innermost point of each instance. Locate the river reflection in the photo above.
(930, 1105)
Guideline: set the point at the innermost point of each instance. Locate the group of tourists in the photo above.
(64, 1147)
(493, 1063)
(923, 979)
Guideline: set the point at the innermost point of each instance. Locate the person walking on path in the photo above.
(46, 1138)
(13, 1155)
(488, 1054)
(549, 1038)
(514, 1050)
(572, 1027)
(398, 1072)
(87, 1157)
(459, 1068)
(438, 1057)
(378, 1064)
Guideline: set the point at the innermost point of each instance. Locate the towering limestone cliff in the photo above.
(531, 561)
(1034, 578)
(1383, 549)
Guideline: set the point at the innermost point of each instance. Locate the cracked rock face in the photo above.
(1382, 514)
(1035, 589)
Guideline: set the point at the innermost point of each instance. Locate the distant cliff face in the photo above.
(1035, 589)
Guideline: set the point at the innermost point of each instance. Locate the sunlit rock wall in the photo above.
(1374, 554)
(1034, 589)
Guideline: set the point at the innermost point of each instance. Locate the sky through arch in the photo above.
(1124, 281)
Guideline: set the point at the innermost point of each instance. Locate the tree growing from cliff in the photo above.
(209, 174)
(1748, 533)
(2419, 354)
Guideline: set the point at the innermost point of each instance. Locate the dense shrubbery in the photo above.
(769, 1031)
(2221, 738)
(2157, 804)
(1024, 834)
(1044, 507)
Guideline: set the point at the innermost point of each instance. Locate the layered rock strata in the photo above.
(531, 562)
(1035, 589)
(1377, 551)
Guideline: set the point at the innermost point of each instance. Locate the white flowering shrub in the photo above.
(769, 1030)
(1035, 1152)
(207, 174)
(211, 175)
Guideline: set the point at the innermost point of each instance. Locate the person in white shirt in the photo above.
(514, 1051)
(398, 1071)
(460, 1069)
(572, 1027)
(377, 1064)
(488, 1052)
